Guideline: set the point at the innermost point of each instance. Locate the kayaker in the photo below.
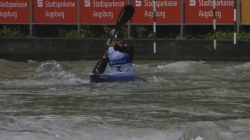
(118, 55)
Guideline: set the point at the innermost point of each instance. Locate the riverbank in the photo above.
(43, 49)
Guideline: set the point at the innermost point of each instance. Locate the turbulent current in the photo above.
(183, 100)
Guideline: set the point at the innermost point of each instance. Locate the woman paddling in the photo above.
(119, 56)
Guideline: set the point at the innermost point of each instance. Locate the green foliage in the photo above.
(61, 33)
(219, 35)
(86, 32)
(125, 31)
(103, 31)
(90, 32)
(151, 35)
(107, 31)
(72, 34)
(243, 36)
(11, 32)
(223, 35)
(142, 32)
(64, 34)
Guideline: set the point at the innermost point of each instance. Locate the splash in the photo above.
(240, 67)
(175, 67)
(52, 73)
(220, 130)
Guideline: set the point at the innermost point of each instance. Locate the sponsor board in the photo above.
(56, 11)
(201, 11)
(167, 11)
(13, 11)
(101, 11)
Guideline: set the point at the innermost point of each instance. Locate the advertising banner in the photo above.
(56, 11)
(167, 11)
(101, 11)
(201, 11)
(14, 11)
(245, 13)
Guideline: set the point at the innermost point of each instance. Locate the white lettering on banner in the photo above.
(54, 14)
(8, 14)
(151, 14)
(207, 14)
(10, 5)
(60, 4)
(138, 3)
(103, 14)
(87, 3)
(107, 4)
(39, 3)
(16, 4)
(158, 4)
(218, 3)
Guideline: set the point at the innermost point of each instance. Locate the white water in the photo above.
(182, 101)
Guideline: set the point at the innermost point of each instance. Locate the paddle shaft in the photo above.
(106, 51)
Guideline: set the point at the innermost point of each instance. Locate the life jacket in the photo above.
(119, 62)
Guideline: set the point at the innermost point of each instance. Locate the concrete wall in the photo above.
(42, 49)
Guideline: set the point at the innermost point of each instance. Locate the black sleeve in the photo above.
(125, 49)
(102, 64)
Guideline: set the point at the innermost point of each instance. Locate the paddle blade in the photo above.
(125, 15)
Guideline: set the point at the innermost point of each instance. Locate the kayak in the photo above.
(120, 77)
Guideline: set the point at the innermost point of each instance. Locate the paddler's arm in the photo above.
(125, 49)
(101, 67)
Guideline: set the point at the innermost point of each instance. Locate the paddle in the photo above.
(124, 16)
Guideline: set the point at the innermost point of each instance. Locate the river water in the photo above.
(182, 100)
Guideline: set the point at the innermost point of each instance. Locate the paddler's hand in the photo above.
(110, 44)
